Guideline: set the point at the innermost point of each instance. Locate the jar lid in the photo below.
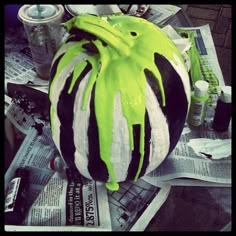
(40, 13)
(225, 95)
(201, 88)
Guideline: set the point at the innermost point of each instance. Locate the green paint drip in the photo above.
(93, 61)
(119, 68)
(69, 55)
(77, 71)
(112, 186)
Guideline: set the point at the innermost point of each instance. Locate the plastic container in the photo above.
(223, 111)
(44, 33)
(198, 107)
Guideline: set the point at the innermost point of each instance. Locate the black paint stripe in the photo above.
(80, 34)
(90, 47)
(66, 116)
(54, 68)
(133, 166)
(176, 100)
(147, 142)
(96, 166)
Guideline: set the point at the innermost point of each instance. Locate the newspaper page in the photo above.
(160, 13)
(183, 166)
(69, 201)
(52, 200)
(135, 204)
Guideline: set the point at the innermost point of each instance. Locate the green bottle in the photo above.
(198, 105)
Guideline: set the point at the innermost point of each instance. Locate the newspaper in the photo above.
(65, 201)
(58, 201)
(160, 13)
(135, 204)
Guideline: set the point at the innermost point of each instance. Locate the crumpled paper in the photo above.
(211, 148)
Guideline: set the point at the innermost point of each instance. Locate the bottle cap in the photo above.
(225, 95)
(201, 88)
(40, 13)
(57, 164)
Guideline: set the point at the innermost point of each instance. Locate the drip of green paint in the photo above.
(119, 68)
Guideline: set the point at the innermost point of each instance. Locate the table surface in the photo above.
(193, 208)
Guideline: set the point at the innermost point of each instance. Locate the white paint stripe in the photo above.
(60, 81)
(56, 134)
(62, 50)
(160, 140)
(120, 148)
(82, 164)
(80, 127)
(57, 88)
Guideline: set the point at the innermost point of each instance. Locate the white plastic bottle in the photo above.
(198, 105)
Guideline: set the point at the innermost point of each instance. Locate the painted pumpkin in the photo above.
(119, 94)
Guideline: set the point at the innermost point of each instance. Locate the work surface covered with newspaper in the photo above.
(59, 201)
(57, 198)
